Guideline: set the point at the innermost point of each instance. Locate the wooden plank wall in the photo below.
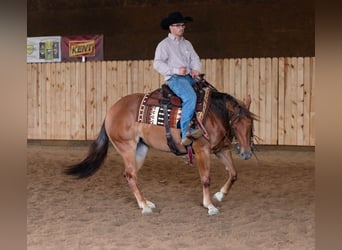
(56, 101)
(68, 101)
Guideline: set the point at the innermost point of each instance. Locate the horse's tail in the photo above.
(93, 161)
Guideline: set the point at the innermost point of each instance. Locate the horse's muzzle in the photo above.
(246, 155)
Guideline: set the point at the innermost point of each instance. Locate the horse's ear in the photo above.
(248, 101)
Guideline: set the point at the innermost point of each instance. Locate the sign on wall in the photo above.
(80, 48)
(43, 49)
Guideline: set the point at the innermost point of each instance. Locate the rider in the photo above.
(176, 59)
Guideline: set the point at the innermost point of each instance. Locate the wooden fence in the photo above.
(68, 101)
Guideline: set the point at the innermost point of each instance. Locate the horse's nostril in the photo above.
(246, 156)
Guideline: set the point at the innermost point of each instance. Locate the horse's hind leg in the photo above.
(133, 157)
(140, 156)
(226, 158)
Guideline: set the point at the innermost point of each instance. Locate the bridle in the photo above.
(234, 140)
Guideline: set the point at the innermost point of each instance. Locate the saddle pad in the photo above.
(154, 114)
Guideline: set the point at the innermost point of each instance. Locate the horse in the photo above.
(229, 122)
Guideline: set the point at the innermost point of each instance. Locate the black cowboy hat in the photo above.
(174, 17)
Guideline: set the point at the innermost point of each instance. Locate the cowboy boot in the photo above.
(196, 133)
(186, 141)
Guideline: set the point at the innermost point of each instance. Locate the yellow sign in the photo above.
(82, 48)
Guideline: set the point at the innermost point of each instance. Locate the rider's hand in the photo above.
(182, 71)
(194, 73)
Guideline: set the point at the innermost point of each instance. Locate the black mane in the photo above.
(218, 106)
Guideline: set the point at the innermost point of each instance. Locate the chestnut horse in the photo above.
(228, 120)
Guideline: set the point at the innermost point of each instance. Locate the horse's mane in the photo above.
(218, 106)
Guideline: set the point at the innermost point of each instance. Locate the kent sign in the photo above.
(80, 48)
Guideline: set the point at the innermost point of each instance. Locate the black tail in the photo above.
(96, 155)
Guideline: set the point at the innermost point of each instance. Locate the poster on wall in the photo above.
(82, 48)
(43, 49)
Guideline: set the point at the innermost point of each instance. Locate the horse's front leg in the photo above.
(203, 163)
(226, 158)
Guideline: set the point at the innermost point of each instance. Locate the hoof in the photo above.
(146, 210)
(150, 204)
(212, 210)
(219, 196)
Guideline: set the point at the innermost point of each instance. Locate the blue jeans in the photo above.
(182, 87)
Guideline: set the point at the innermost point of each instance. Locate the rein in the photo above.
(232, 137)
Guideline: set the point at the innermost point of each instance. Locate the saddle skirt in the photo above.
(151, 109)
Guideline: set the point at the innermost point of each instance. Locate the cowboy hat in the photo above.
(174, 17)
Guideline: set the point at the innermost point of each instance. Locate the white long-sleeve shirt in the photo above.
(171, 54)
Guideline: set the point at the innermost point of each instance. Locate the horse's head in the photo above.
(241, 124)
